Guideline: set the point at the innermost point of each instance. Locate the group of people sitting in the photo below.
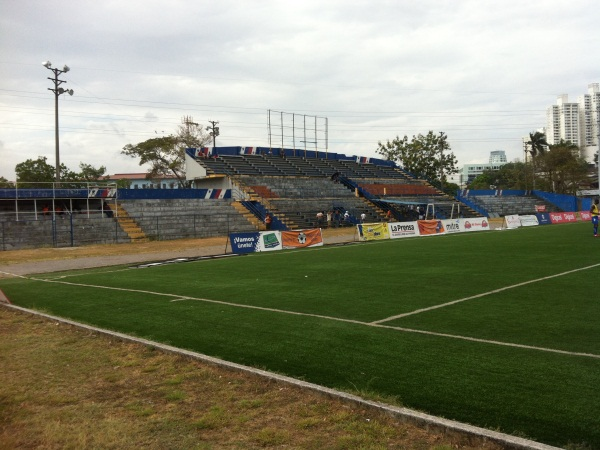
(333, 219)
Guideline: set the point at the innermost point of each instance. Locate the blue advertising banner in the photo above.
(544, 218)
(244, 242)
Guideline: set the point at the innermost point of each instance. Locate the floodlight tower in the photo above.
(57, 92)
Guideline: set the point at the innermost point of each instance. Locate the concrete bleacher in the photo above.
(64, 231)
(194, 218)
(505, 205)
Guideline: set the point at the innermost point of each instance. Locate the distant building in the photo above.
(469, 172)
(139, 181)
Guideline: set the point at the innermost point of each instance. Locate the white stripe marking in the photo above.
(337, 319)
(495, 291)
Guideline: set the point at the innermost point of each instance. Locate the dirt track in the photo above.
(43, 260)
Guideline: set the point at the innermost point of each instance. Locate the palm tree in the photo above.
(536, 145)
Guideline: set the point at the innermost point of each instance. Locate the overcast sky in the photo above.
(483, 72)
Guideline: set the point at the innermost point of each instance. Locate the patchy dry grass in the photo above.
(62, 387)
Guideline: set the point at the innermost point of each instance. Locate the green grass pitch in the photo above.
(499, 329)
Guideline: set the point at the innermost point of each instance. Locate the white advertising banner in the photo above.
(269, 240)
(475, 224)
(512, 221)
(529, 220)
(454, 225)
(402, 229)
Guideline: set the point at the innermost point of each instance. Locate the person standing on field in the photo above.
(594, 212)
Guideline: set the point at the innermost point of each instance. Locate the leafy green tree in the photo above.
(4, 183)
(166, 155)
(36, 171)
(536, 145)
(508, 176)
(427, 156)
(561, 169)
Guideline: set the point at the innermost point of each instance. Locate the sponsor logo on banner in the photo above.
(563, 217)
(544, 219)
(270, 240)
(403, 229)
(540, 208)
(430, 227)
(453, 226)
(528, 220)
(302, 238)
(512, 221)
(244, 242)
(585, 215)
(373, 231)
(475, 224)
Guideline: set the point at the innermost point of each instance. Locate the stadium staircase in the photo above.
(257, 205)
(127, 224)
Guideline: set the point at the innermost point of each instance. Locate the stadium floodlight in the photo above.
(57, 92)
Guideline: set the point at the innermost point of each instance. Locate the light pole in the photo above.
(57, 91)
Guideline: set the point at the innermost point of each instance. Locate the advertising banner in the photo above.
(430, 227)
(512, 221)
(544, 219)
(564, 217)
(403, 229)
(476, 224)
(302, 238)
(269, 241)
(540, 208)
(585, 216)
(453, 225)
(244, 242)
(373, 231)
(529, 220)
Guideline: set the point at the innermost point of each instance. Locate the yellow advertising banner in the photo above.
(373, 231)
(302, 238)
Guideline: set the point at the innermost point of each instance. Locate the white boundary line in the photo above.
(410, 415)
(484, 294)
(176, 298)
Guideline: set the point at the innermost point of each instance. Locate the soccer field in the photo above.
(498, 329)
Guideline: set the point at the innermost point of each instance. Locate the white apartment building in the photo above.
(575, 122)
(469, 172)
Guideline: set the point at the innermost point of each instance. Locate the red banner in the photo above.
(563, 217)
(585, 216)
(540, 208)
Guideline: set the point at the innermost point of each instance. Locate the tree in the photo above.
(426, 156)
(39, 172)
(4, 183)
(36, 171)
(536, 145)
(166, 155)
(562, 169)
(508, 176)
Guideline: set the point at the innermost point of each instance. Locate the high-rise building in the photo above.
(589, 112)
(576, 122)
(498, 157)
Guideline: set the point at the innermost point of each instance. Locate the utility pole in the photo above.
(57, 92)
(598, 139)
(213, 131)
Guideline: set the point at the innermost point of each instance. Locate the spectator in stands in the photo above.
(363, 217)
(320, 218)
(389, 216)
(335, 177)
(594, 211)
(46, 209)
(346, 218)
(329, 218)
(58, 210)
(268, 221)
(336, 218)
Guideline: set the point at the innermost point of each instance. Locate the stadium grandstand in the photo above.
(233, 189)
